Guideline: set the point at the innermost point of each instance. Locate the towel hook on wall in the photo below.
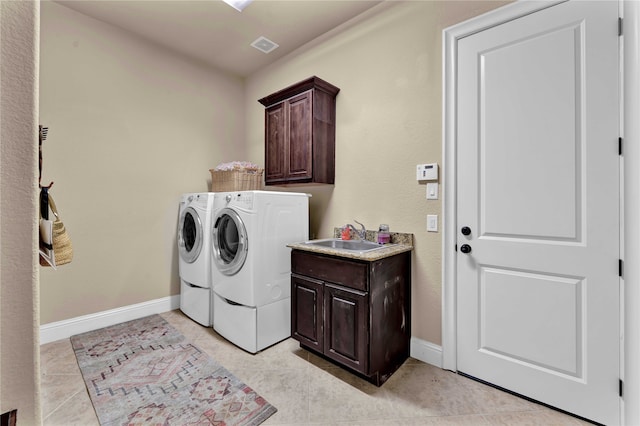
(43, 131)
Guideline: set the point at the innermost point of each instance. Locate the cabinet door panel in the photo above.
(275, 149)
(300, 141)
(306, 311)
(346, 334)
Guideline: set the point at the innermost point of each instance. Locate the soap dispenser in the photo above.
(384, 237)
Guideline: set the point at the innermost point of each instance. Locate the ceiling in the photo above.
(215, 33)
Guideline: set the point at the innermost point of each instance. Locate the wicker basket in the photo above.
(236, 180)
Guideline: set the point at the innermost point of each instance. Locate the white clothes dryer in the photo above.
(194, 259)
(252, 264)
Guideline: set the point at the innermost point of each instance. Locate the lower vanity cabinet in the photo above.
(353, 312)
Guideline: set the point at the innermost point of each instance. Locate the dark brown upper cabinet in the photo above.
(300, 133)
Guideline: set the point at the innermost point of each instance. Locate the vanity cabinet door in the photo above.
(307, 311)
(346, 333)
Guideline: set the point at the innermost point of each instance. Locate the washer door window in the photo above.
(189, 235)
(230, 242)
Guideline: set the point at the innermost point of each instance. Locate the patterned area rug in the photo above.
(144, 372)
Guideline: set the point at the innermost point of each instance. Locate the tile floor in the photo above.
(309, 390)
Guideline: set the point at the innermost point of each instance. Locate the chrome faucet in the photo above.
(361, 233)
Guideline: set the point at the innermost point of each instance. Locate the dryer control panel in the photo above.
(240, 199)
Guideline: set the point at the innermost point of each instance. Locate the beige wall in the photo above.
(388, 68)
(19, 332)
(131, 127)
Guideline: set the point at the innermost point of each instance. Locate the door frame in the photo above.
(630, 185)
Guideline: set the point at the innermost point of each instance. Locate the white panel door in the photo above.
(538, 190)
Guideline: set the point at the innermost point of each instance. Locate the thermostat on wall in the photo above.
(427, 171)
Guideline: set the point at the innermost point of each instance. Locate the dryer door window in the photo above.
(230, 242)
(189, 235)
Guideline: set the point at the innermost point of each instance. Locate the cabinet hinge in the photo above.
(619, 146)
(621, 388)
(456, 247)
(619, 26)
(620, 267)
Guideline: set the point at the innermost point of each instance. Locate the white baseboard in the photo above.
(64, 329)
(419, 349)
(426, 352)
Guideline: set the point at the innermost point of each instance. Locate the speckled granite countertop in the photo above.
(399, 244)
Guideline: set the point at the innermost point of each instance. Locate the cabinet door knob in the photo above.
(465, 248)
(466, 230)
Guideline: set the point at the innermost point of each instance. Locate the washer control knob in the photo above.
(228, 198)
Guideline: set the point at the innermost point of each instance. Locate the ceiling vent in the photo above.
(264, 45)
(238, 5)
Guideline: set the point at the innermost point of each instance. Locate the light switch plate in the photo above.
(432, 223)
(432, 191)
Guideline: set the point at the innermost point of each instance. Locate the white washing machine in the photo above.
(194, 260)
(252, 264)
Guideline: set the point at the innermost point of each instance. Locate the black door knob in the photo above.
(465, 248)
(466, 230)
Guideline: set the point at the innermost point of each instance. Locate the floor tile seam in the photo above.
(62, 374)
(63, 403)
(57, 357)
(432, 416)
(570, 420)
(385, 418)
(254, 369)
(55, 342)
(481, 408)
(469, 416)
(331, 368)
(508, 412)
(387, 413)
